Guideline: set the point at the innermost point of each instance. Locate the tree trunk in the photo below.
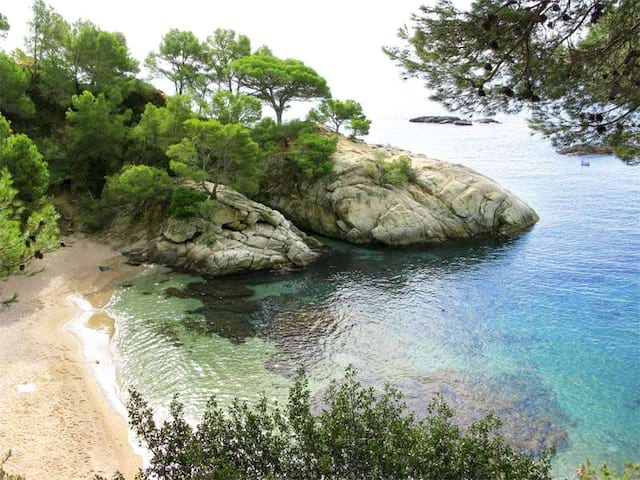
(279, 112)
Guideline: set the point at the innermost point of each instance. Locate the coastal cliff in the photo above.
(443, 202)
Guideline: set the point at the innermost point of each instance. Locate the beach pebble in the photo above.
(26, 388)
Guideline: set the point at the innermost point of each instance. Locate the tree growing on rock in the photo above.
(574, 63)
(217, 153)
(359, 126)
(336, 113)
(279, 82)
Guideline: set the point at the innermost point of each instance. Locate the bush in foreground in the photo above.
(361, 434)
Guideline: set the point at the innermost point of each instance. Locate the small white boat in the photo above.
(585, 163)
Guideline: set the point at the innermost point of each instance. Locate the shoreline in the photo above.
(58, 419)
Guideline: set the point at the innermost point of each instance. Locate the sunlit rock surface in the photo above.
(445, 202)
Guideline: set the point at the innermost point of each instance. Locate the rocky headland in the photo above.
(444, 202)
(441, 202)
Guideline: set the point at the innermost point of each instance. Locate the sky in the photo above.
(341, 39)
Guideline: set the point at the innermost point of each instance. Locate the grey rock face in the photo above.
(239, 235)
(440, 119)
(444, 202)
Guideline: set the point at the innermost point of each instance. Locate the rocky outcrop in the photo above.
(236, 235)
(450, 119)
(439, 119)
(443, 202)
(586, 150)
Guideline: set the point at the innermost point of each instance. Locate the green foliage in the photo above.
(222, 49)
(46, 36)
(5, 129)
(4, 26)
(294, 149)
(21, 157)
(98, 59)
(359, 127)
(218, 153)
(574, 63)
(228, 107)
(12, 248)
(394, 172)
(42, 225)
(335, 113)
(55, 157)
(14, 83)
(186, 202)
(311, 153)
(361, 433)
(179, 59)
(3, 474)
(159, 127)
(136, 94)
(279, 82)
(631, 471)
(19, 243)
(138, 184)
(95, 139)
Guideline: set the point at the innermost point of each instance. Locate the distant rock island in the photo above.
(584, 149)
(450, 119)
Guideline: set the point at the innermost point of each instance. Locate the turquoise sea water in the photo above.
(543, 329)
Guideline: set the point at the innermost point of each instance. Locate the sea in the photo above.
(542, 329)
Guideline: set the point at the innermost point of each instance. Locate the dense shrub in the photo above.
(26, 165)
(296, 148)
(21, 241)
(312, 153)
(361, 434)
(394, 172)
(138, 184)
(186, 202)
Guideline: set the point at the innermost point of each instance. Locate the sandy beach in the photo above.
(54, 417)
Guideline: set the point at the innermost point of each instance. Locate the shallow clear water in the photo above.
(543, 329)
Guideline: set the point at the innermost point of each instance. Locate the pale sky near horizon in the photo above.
(342, 40)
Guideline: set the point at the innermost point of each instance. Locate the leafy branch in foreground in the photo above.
(361, 434)
(574, 63)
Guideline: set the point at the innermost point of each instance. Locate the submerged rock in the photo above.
(445, 201)
(238, 235)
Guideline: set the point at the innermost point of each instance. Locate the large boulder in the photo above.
(444, 202)
(237, 235)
